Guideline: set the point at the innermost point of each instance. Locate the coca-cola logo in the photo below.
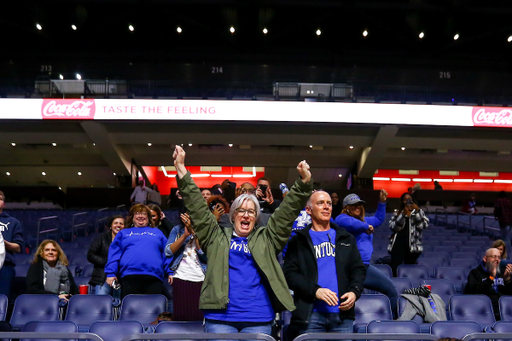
(82, 109)
(492, 117)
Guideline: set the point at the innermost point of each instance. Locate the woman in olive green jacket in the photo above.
(244, 285)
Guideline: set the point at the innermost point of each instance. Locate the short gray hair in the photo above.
(239, 202)
(310, 203)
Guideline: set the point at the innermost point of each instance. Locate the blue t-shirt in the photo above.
(324, 244)
(248, 297)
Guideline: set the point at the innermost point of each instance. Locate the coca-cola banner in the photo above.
(270, 111)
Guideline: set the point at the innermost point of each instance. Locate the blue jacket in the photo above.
(11, 229)
(358, 229)
(137, 251)
(176, 232)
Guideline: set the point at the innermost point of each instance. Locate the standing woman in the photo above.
(49, 273)
(160, 220)
(244, 285)
(98, 255)
(187, 269)
(407, 224)
(136, 256)
(353, 219)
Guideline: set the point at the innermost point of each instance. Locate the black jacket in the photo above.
(35, 277)
(301, 272)
(98, 255)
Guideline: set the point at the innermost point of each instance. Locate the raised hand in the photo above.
(304, 172)
(179, 161)
(383, 195)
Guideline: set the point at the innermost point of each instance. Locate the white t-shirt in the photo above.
(2, 250)
(189, 268)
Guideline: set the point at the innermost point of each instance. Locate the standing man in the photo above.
(325, 303)
(488, 279)
(13, 241)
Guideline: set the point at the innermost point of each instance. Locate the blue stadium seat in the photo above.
(34, 308)
(477, 308)
(50, 327)
(386, 269)
(21, 270)
(401, 284)
(116, 330)
(431, 263)
(466, 263)
(180, 327)
(87, 270)
(424, 327)
(398, 327)
(454, 329)
(456, 274)
(369, 308)
(4, 302)
(142, 308)
(502, 327)
(87, 309)
(415, 272)
(505, 303)
(442, 287)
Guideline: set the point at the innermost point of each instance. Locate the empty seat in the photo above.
(466, 255)
(384, 268)
(456, 274)
(454, 329)
(142, 308)
(180, 327)
(502, 327)
(401, 284)
(396, 327)
(431, 263)
(442, 287)
(505, 303)
(476, 308)
(4, 301)
(22, 270)
(415, 272)
(466, 263)
(116, 330)
(87, 270)
(369, 308)
(34, 308)
(50, 327)
(87, 309)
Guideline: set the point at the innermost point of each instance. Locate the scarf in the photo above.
(57, 280)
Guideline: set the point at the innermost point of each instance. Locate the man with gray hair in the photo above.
(325, 303)
(490, 280)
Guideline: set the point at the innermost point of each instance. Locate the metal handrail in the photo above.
(364, 336)
(73, 225)
(53, 217)
(445, 213)
(119, 207)
(204, 336)
(489, 227)
(487, 336)
(61, 336)
(97, 224)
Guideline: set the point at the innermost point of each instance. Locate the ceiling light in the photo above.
(462, 180)
(131, 28)
(340, 175)
(43, 173)
(230, 145)
(351, 147)
(265, 31)
(365, 33)
(509, 39)
(94, 144)
(497, 181)
(232, 29)
(39, 27)
(13, 144)
(421, 180)
(443, 180)
(60, 188)
(78, 76)
(73, 27)
(61, 76)
(54, 144)
(483, 181)
(310, 146)
(149, 144)
(178, 29)
(114, 174)
(421, 35)
(403, 148)
(190, 144)
(8, 173)
(79, 173)
(377, 178)
(400, 179)
(318, 32)
(456, 36)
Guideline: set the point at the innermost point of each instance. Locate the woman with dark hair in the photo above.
(160, 220)
(244, 284)
(49, 273)
(136, 256)
(407, 224)
(353, 219)
(336, 205)
(98, 255)
(502, 247)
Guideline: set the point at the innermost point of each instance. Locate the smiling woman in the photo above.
(241, 256)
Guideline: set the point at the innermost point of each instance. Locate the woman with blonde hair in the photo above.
(502, 247)
(49, 273)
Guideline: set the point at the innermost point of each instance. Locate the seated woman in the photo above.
(188, 268)
(241, 257)
(49, 273)
(502, 248)
(98, 255)
(136, 256)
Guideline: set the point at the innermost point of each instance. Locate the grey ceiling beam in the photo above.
(372, 156)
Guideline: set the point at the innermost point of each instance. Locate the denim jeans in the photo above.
(329, 323)
(377, 281)
(106, 289)
(226, 327)
(7, 274)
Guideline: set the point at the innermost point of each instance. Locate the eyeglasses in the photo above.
(144, 214)
(242, 212)
(495, 256)
(250, 191)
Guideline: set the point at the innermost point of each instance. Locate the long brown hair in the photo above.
(497, 243)
(139, 208)
(40, 252)
(347, 212)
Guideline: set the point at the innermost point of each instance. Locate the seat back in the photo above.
(371, 307)
(50, 327)
(398, 327)
(442, 287)
(84, 310)
(505, 303)
(142, 308)
(454, 329)
(384, 268)
(431, 263)
(22, 270)
(87, 270)
(476, 308)
(415, 272)
(180, 327)
(401, 284)
(456, 274)
(466, 263)
(116, 330)
(4, 301)
(34, 308)
(466, 255)
(502, 327)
